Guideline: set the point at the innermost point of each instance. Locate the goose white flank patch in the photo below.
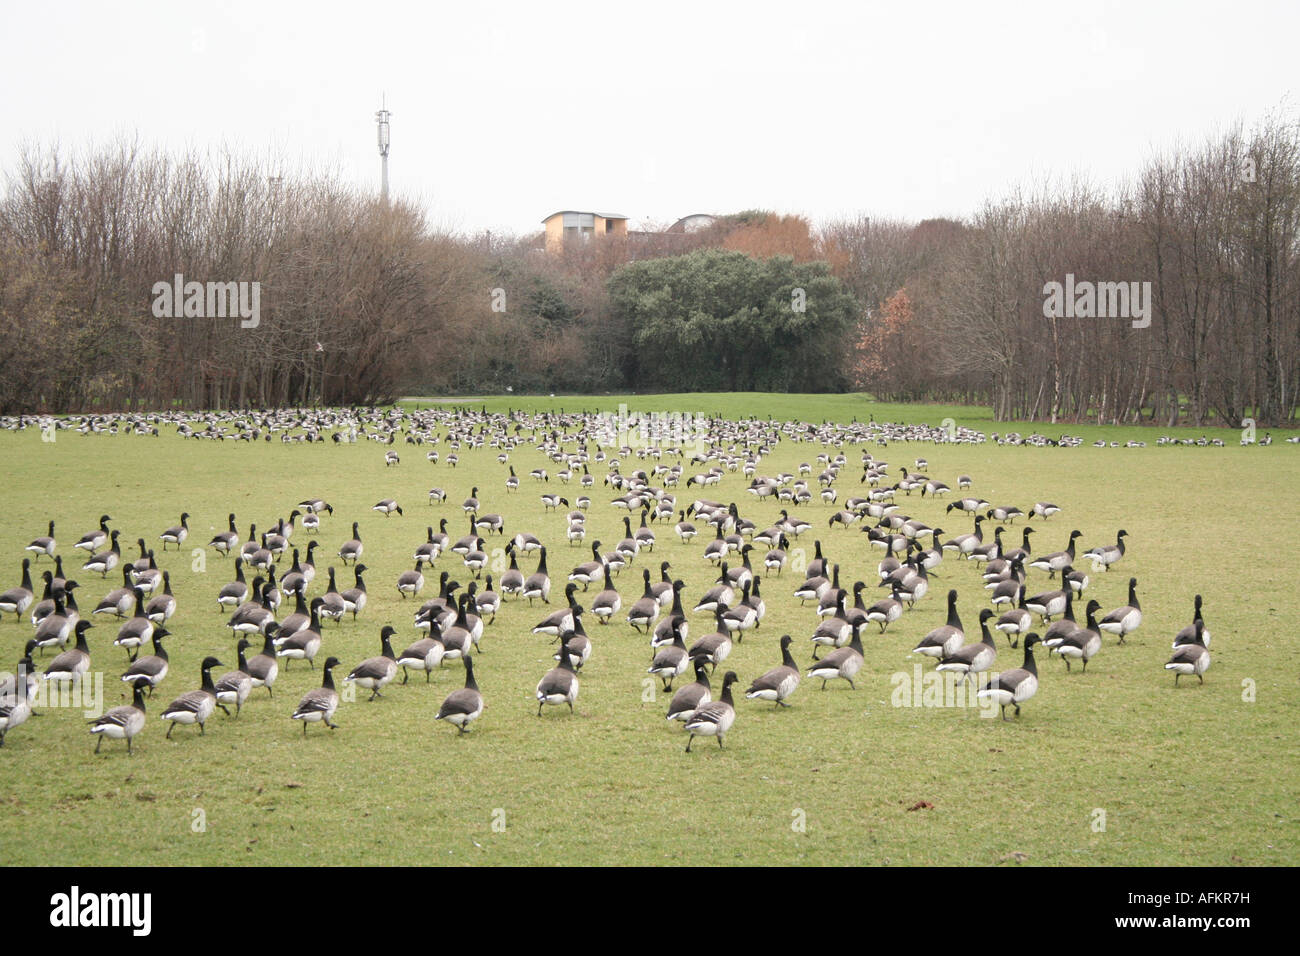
(374, 672)
(560, 684)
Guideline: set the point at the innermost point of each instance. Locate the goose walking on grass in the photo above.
(196, 706)
(779, 683)
(43, 545)
(121, 723)
(353, 548)
(944, 640)
(1082, 643)
(106, 561)
(670, 661)
(321, 703)
(691, 697)
(264, 668)
(149, 671)
(560, 684)
(233, 687)
(177, 534)
(1188, 634)
(17, 600)
(72, 664)
(842, 662)
(972, 660)
(1106, 555)
(1124, 620)
(714, 719)
(374, 672)
(1013, 688)
(463, 707)
(1189, 659)
(92, 540)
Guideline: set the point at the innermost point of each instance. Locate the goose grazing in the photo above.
(149, 671)
(44, 545)
(303, 643)
(714, 719)
(691, 697)
(1193, 658)
(436, 495)
(645, 610)
(943, 641)
(320, 704)
(1005, 513)
(1124, 620)
(97, 538)
(352, 549)
(196, 706)
(105, 561)
(1106, 555)
(842, 662)
(263, 669)
(1188, 634)
(538, 584)
(233, 687)
(670, 661)
(1082, 643)
(411, 582)
(177, 534)
(17, 600)
(226, 541)
(780, 682)
(374, 672)
(560, 684)
(387, 507)
(973, 659)
(121, 723)
(236, 592)
(354, 598)
(1044, 510)
(1051, 563)
(1013, 688)
(463, 707)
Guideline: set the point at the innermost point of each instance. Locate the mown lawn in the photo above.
(1111, 767)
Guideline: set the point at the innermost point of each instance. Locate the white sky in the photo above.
(504, 112)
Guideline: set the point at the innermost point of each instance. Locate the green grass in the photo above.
(1195, 775)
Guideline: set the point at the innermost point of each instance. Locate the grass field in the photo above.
(1111, 767)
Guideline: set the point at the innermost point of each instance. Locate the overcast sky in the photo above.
(505, 112)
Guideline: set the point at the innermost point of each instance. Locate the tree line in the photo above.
(363, 301)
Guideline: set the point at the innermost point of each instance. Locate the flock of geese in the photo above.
(284, 611)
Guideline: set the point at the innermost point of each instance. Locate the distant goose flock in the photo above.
(278, 603)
